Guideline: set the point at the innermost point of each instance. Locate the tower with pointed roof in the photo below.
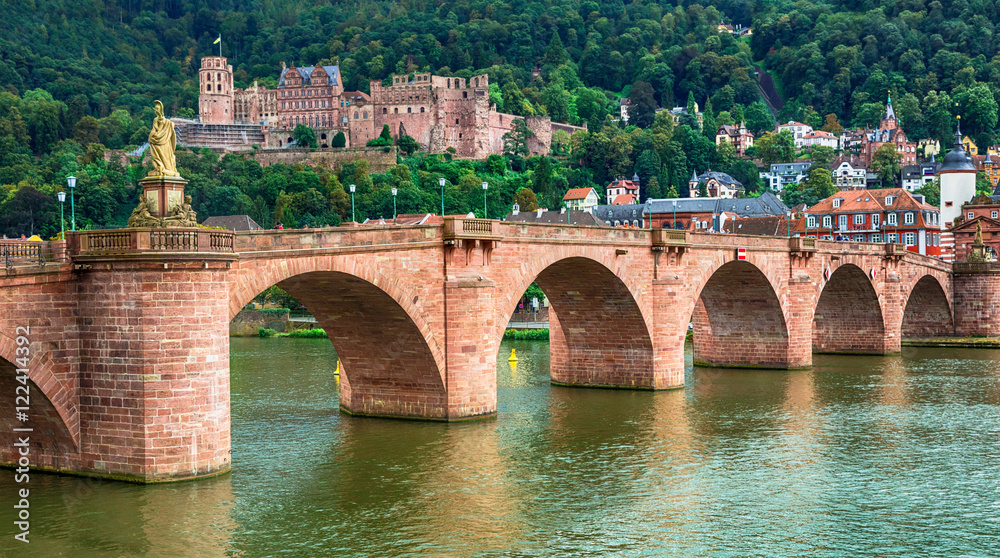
(889, 120)
(957, 177)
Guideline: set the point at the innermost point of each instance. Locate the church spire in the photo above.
(889, 113)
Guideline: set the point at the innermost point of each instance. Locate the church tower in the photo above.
(957, 176)
(889, 120)
(215, 100)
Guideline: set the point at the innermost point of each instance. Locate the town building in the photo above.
(739, 136)
(561, 217)
(797, 129)
(709, 214)
(983, 212)
(880, 215)
(929, 147)
(819, 137)
(852, 140)
(677, 112)
(783, 174)
(917, 176)
(630, 215)
(889, 132)
(623, 107)
(581, 199)
(957, 176)
(623, 192)
(717, 185)
(970, 146)
(439, 112)
(849, 172)
(991, 169)
(232, 222)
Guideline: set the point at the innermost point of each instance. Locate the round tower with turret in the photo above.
(215, 100)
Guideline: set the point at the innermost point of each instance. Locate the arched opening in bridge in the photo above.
(50, 439)
(927, 312)
(387, 367)
(597, 333)
(738, 321)
(848, 316)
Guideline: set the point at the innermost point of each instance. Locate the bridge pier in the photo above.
(154, 369)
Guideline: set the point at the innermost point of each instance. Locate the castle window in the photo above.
(465, 94)
(408, 110)
(208, 87)
(385, 110)
(396, 110)
(355, 116)
(456, 121)
(220, 87)
(459, 136)
(421, 109)
(363, 115)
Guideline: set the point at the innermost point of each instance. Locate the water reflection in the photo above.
(859, 456)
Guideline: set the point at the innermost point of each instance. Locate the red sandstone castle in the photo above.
(439, 112)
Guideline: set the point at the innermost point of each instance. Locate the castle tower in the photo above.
(215, 100)
(889, 120)
(958, 186)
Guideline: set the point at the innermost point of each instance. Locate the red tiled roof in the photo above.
(627, 184)
(791, 123)
(819, 134)
(624, 199)
(577, 193)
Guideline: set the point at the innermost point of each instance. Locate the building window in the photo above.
(937, 239)
(422, 110)
(811, 222)
(888, 200)
(836, 202)
(876, 238)
(827, 221)
(970, 215)
(891, 219)
(842, 221)
(859, 219)
(408, 110)
(395, 110)
(910, 239)
(385, 111)
(859, 238)
(876, 218)
(890, 238)
(908, 218)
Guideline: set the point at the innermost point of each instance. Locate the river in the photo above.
(859, 456)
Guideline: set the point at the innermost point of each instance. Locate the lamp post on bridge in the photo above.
(71, 182)
(393, 206)
(788, 223)
(674, 224)
(441, 181)
(62, 213)
(353, 219)
(485, 186)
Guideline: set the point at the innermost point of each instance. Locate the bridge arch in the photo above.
(928, 312)
(848, 317)
(738, 319)
(599, 332)
(392, 361)
(53, 416)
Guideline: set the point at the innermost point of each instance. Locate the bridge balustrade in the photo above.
(134, 241)
(18, 253)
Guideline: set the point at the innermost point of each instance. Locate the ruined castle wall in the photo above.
(378, 159)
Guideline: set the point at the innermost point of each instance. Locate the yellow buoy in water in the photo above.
(513, 356)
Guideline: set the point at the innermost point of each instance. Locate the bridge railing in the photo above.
(22, 253)
(134, 241)
(460, 227)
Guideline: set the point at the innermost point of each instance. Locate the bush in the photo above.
(264, 332)
(526, 334)
(316, 333)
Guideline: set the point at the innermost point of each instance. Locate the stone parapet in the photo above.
(150, 243)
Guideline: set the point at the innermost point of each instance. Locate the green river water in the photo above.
(859, 456)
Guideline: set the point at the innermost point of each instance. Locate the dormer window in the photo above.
(811, 222)
(889, 200)
(836, 202)
(908, 218)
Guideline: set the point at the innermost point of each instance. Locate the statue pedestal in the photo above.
(163, 194)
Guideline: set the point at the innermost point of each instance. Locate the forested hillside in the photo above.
(79, 77)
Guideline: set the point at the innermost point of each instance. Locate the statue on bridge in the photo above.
(162, 142)
(162, 202)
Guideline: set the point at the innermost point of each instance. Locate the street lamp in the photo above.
(393, 206)
(62, 213)
(441, 182)
(788, 222)
(353, 219)
(71, 182)
(485, 186)
(674, 224)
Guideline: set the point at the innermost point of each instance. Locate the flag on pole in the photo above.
(217, 40)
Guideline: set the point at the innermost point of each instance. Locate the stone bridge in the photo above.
(129, 346)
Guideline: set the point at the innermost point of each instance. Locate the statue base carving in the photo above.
(163, 204)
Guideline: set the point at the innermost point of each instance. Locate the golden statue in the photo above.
(162, 142)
